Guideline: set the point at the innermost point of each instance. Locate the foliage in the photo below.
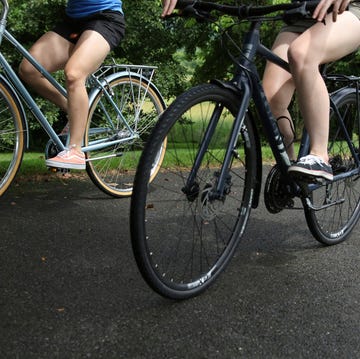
(27, 21)
(185, 51)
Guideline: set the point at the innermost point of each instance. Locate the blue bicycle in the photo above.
(124, 105)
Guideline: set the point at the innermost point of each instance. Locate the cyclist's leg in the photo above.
(318, 45)
(279, 89)
(82, 62)
(52, 52)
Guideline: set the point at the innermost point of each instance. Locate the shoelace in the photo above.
(310, 159)
(63, 153)
(67, 152)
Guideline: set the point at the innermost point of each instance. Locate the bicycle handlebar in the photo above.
(191, 8)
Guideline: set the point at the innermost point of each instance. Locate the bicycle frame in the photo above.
(248, 85)
(207, 218)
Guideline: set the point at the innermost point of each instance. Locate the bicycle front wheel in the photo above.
(112, 168)
(12, 137)
(183, 238)
(339, 199)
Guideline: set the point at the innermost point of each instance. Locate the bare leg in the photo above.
(88, 54)
(318, 45)
(78, 62)
(279, 89)
(52, 52)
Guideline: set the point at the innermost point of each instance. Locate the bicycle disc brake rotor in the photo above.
(276, 196)
(209, 208)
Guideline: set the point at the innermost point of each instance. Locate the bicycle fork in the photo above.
(191, 188)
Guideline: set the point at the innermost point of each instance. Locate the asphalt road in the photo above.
(69, 287)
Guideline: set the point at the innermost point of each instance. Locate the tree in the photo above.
(185, 51)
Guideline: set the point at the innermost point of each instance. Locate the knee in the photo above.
(295, 58)
(74, 76)
(26, 70)
(300, 59)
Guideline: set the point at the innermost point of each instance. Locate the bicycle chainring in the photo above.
(276, 195)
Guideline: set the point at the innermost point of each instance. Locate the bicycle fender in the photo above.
(126, 74)
(226, 85)
(258, 178)
(336, 95)
(6, 83)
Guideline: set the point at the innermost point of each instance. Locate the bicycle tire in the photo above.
(334, 224)
(181, 244)
(12, 138)
(113, 168)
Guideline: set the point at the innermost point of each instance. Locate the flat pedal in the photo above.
(59, 170)
(307, 179)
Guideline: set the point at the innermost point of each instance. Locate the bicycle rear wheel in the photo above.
(113, 168)
(333, 224)
(182, 240)
(12, 137)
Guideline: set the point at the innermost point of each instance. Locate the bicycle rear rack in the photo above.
(146, 71)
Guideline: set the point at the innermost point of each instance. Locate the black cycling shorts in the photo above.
(109, 24)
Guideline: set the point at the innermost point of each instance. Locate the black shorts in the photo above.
(109, 24)
(303, 24)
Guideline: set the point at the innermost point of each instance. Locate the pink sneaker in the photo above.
(69, 158)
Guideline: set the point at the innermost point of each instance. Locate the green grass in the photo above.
(33, 168)
(34, 162)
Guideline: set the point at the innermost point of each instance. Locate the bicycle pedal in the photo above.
(307, 179)
(59, 170)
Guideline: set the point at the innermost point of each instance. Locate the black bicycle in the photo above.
(186, 224)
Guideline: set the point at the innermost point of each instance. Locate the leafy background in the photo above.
(185, 51)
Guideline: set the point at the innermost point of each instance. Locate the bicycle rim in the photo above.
(113, 168)
(11, 138)
(182, 242)
(333, 224)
